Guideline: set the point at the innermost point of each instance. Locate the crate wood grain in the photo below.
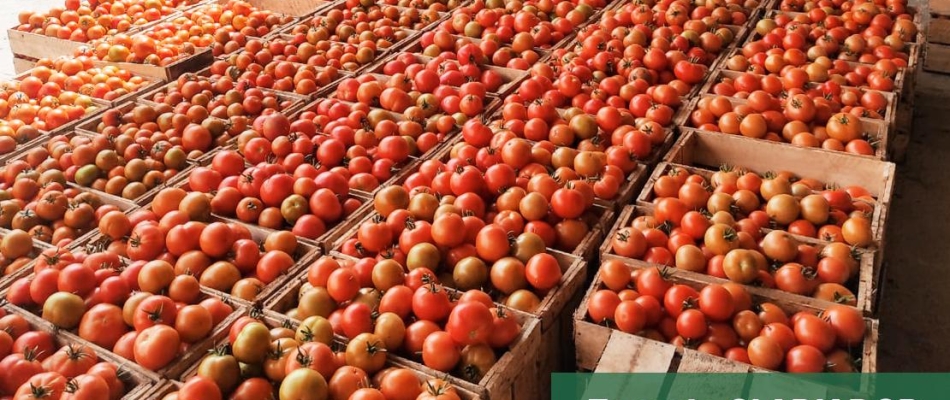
(707, 151)
(191, 63)
(864, 286)
(21, 65)
(939, 7)
(937, 58)
(605, 350)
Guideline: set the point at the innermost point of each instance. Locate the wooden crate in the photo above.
(138, 381)
(200, 60)
(605, 350)
(939, 7)
(536, 356)
(864, 285)
(890, 112)
(36, 46)
(511, 78)
(938, 30)
(513, 377)
(274, 320)
(296, 101)
(876, 130)
(707, 151)
(937, 58)
(21, 64)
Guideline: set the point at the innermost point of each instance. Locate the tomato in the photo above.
(804, 359)
(17, 368)
(154, 310)
(440, 352)
(198, 387)
(304, 384)
(253, 389)
(431, 302)
(504, 328)
(716, 302)
(251, 343)
(87, 386)
(42, 385)
(71, 360)
(691, 324)
(847, 324)
(602, 305)
(367, 352)
(629, 242)
(399, 383)
(765, 352)
(469, 323)
(630, 316)
(814, 331)
(156, 346)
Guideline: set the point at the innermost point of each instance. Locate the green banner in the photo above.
(760, 386)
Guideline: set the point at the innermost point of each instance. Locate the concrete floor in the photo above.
(914, 326)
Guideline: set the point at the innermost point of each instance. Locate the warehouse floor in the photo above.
(914, 326)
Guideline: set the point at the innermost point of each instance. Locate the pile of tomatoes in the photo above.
(513, 34)
(33, 105)
(41, 203)
(828, 96)
(308, 200)
(375, 302)
(803, 207)
(799, 120)
(80, 21)
(302, 363)
(723, 321)
(468, 244)
(267, 65)
(141, 311)
(35, 363)
(223, 98)
(373, 28)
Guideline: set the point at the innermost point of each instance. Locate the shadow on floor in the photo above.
(914, 324)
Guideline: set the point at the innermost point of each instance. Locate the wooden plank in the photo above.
(939, 7)
(21, 65)
(296, 8)
(937, 58)
(36, 46)
(694, 361)
(200, 60)
(626, 353)
(938, 31)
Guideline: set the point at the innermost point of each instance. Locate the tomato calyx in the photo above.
(39, 392)
(75, 353)
(155, 315)
(437, 388)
